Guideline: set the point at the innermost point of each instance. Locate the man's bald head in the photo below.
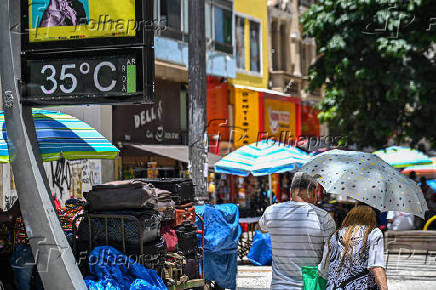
(303, 188)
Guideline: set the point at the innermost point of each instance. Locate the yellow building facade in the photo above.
(251, 43)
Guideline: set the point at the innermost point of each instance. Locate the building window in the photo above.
(223, 29)
(254, 46)
(248, 47)
(185, 16)
(174, 15)
(240, 42)
(208, 19)
(170, 13)
(170, 16)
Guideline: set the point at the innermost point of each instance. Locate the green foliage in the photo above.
(376, 69)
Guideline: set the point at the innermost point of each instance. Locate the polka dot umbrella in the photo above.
(367, 178)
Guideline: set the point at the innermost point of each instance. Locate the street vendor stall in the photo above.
(63, 140)
(253, 165)
(262, 158)
(152, 221)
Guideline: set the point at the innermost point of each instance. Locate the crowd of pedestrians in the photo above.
(349, 257)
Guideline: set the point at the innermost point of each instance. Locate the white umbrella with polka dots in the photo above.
(367, 178)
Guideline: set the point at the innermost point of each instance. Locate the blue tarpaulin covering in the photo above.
(261, 251)
(112, 270)
(432, 184)
(222, 232)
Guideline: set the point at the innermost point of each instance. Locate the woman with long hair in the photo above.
(353, 256)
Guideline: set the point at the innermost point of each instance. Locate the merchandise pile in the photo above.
(152, 221)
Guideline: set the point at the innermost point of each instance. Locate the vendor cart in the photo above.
(100, 231)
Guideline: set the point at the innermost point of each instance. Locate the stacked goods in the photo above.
(151, 220)
(125, 215)
(182, 190)
(180, 233)
(166, 205)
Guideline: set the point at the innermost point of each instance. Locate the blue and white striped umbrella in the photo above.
(402, 157)
(262, 158)
(61, 135)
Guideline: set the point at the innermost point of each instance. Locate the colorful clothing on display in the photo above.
(66, 216)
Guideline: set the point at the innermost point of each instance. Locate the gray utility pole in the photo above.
(53, 255)
(197, 99)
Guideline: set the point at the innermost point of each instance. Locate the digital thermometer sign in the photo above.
(108, 76)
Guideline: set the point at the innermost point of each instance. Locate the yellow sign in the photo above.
(54, 20)
(279, 118)
(246, 125)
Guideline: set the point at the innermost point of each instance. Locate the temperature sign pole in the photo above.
(50, 60)
(53, 256)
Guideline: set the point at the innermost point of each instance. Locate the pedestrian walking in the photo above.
(412, 175)
(353, 257)
(298, 232)
(400, 221)
(426, 189)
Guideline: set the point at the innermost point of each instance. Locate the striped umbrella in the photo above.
(262, 158)
(61, 135)
(421, 169)
(401, 157)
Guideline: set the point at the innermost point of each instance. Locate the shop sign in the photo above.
(246, 106)
(280, 116)
(144, 121)
(157, 123)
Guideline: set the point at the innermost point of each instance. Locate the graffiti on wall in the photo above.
(70, 179)
(67, 179)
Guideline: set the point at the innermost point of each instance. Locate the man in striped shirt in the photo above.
(298, 231)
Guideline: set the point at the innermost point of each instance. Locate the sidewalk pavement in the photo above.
(404, 273)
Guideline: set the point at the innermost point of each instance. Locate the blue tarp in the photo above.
(222, 232)
(261, 251)
(432, 184)
(112, 270)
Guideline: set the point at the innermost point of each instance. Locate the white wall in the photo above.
(100, 118)
(68, 179)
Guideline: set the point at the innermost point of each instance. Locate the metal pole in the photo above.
(53, 255)
(197, 99)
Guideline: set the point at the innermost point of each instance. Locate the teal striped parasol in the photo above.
(262, 158)
(61, 135)
(402, 157)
